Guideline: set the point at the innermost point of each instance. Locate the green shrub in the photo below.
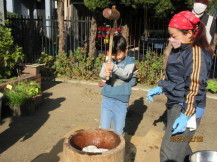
(63, 66)
(10, 54)
(149, 71)
(212, 86)
(47, 61)
(78, 65)
(15, 97)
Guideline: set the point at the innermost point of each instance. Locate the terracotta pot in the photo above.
(31, 69)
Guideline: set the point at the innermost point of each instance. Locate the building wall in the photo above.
(2, 10)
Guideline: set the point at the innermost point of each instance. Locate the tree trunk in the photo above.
(125, 32)
(60, 19)
(146, 33)
(92, 38)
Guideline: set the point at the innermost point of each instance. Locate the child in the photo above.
(117, 90)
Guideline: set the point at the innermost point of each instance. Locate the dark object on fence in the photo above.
(111, 14)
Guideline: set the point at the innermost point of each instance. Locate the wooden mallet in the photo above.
(111, 14)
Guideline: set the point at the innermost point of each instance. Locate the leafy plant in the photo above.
(93, 5)
(10, 54)
(30, 88)
(63, 65)
(150, 70)
(15, 97)
(47, 61)
(212, 86)
(22, 92)
(78, 65)
(81, 66)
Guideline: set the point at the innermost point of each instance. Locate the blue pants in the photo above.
(113, 110)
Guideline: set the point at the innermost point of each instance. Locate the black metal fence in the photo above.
(38, 34)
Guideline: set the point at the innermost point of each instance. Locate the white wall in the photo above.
(10, 5)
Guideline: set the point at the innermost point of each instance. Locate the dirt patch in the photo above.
(69, 105)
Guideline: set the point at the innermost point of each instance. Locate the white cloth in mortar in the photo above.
(92, 148)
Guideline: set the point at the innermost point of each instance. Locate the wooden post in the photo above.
(107, 139)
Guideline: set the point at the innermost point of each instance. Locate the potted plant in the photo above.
(32, 90)
(15, 100)
(22, 97)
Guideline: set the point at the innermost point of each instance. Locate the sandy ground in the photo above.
(69, 105)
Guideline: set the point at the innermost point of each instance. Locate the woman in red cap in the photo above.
(184, 85)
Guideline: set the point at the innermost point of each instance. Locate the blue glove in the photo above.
(149, 99)
(180, 124)
(152, 92)
(199, 112)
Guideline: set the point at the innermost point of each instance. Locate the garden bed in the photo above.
(24, 77)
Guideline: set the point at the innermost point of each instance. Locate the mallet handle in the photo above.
(110, 47)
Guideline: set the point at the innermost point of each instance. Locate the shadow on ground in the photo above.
(134, 117)
(22, 128)
(52, 155)
(162, 118)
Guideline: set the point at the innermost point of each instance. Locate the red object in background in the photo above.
(106, 53)
(118, 29)
(107, 28)
(103, 31)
